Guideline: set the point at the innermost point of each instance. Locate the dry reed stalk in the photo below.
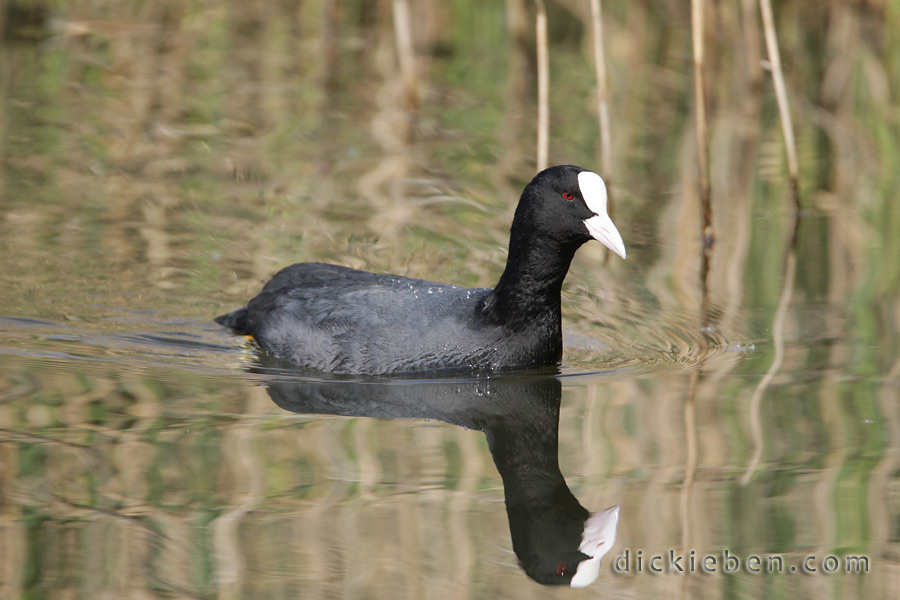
(543, 81)
(516, 97)
(708, 236)
(697, 29)
(403, 36)
(787, 127)
(602, 94)
(329, 47)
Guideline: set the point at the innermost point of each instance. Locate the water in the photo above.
(161, 162)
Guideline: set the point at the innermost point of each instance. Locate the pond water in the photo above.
(161, 160)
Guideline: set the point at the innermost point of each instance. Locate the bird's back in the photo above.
(348, 321)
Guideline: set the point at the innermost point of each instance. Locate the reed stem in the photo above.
(406, 52)
(707, 233)
(697, 30)
(543, 82)
(602, 93)
(787, 126)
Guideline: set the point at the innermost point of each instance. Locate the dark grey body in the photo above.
(343, 320)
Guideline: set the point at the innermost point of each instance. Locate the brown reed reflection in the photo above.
(778, 333)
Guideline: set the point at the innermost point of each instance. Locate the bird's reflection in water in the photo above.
(556, 540)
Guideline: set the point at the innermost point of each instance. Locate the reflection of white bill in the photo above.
(598, 538)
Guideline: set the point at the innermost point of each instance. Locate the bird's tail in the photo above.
(237, 320)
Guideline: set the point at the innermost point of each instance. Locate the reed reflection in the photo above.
(557, 541)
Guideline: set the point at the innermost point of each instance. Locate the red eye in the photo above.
(568, 196)
(563, 567)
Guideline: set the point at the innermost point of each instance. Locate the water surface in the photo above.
(160, 162)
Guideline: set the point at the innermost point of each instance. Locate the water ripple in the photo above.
(630, 344)
(646, 342)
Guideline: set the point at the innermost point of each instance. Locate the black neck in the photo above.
(528, 293)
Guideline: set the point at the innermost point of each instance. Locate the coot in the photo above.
(342, 320)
